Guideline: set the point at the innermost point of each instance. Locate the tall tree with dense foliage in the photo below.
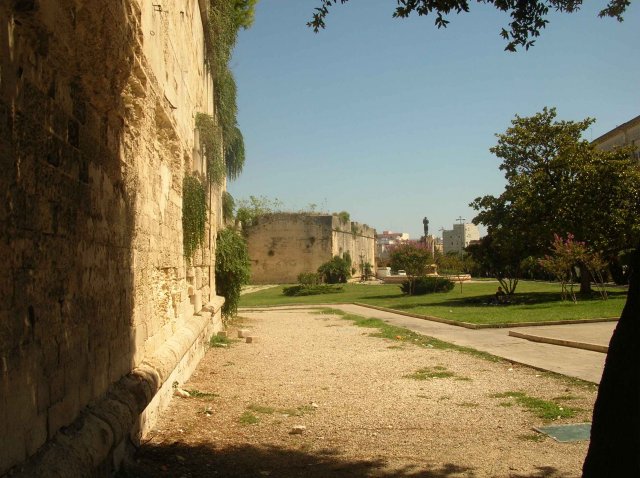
(559, 183)
(528, 17)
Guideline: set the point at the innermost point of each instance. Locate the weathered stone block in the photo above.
(62, 413)
(56, 386)
(242, 333)
(36, 436)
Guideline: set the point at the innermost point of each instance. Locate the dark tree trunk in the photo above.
(585, 280)
(614, 450)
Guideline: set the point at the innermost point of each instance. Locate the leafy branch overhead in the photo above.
(528, 17)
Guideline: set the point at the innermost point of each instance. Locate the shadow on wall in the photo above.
(66, 216)
(180, 459)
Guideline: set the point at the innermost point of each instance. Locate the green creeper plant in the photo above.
(194, 214)
(228, 206)
(233, 269)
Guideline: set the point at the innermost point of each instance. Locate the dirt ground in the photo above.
(364, 410)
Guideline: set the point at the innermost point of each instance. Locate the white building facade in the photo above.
(458, 238)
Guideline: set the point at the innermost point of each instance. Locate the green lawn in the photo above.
(533, 302)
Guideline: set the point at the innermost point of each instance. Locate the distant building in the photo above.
(627, 134)
(386, 240)
(456, 239)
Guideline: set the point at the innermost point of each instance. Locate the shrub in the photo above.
(309, 278)
(336, 271)
(232, 269)
(304, 290)
(427, 285)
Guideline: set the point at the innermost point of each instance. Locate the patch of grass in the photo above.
(534, 302)
(292, 412)
(506, 404)
(220, 341)
(297, 412)
(468, 404)
(566, 398)
(228, 364)
(430, 372)
(544, 409)
(198, 394)
(261, 409)
(307, 290)
(535, 437)
(248, 418)
(406, 336)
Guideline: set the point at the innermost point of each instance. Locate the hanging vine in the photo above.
(194, 214)
(228, 206)
(221, 141)
(234, 154)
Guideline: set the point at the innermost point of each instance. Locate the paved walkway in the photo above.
(570, 361)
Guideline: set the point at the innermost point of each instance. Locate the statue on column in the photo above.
(425, 224)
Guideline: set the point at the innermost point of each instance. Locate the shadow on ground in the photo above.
(195, 461)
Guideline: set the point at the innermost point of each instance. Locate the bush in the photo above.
(309, 278)
(427, 285)
(336, 271)
(303, 290)
(233, 269)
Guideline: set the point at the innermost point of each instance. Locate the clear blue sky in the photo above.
(392, 120)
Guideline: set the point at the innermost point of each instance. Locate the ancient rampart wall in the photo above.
(283, 245)
(99, 312)
(359, 240)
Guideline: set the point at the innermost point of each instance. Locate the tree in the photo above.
(250, 209)
(412, 258)
(337, 270)
(233, 269)
(528, 18)
(614, 449)
(558, 183)
(501, 257)
(567, 255)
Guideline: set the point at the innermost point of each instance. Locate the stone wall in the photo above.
(359, 240)
(283, 245)
(99, 312)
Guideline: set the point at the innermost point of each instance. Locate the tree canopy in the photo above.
(528, 17)
(559, 183)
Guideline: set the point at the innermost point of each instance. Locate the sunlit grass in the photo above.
(533, 302)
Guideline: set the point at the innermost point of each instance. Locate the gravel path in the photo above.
(362, 415)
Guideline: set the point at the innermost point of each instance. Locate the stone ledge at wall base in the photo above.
(107, 430)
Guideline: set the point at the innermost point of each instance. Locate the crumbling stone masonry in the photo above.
(283, 245)
(99, 314)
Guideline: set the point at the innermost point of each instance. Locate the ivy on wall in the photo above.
(211, 146)
(221, 140)
(194, 214)
(228, 206)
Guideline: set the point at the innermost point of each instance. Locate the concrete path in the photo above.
(570, 361)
